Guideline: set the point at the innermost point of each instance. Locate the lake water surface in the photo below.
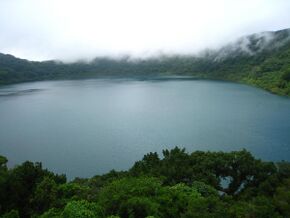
(88, 127)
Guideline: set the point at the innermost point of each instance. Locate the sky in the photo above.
(70, 30)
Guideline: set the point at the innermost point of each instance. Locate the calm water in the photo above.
(88, 127)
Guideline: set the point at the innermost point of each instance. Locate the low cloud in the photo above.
(72, 30)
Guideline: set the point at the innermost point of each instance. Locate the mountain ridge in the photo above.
(261, 59)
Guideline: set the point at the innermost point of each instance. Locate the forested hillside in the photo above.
(200, 184)
(262, 60)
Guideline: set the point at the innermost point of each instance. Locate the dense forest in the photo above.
(262, 60)
(178, 184)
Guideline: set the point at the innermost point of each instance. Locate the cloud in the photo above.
(83, 29)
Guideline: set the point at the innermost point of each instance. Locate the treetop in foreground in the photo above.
(176, 184)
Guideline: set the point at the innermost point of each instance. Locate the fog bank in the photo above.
(71, 30)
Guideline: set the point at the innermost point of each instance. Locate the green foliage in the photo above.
(52, 213)
(259, 207)
(175, 185)
(282, 198)
(139, 207)
(20, 184)
(240, 168)
(204, 189)
(73, 191)
(266, 67)
(11, 214)
(45, 195)
(3, 178)
(286, 76)
(82, 209)
(129, 196)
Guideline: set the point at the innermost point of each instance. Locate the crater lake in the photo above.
(88, 127)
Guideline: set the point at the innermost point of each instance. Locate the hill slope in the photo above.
(262, 60)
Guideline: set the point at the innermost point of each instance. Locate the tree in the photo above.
(82, 209)
(129, 196)
(282, 198)
(3, 178)
(11, 214)
(45, 195)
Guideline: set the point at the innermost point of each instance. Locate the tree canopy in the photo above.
(177, 184)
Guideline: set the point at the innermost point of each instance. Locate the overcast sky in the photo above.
(70, 30)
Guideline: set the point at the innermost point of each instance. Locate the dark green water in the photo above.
(88, 127)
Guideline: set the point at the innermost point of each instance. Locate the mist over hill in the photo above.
(261, 59)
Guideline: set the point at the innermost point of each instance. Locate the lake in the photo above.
(88, 127)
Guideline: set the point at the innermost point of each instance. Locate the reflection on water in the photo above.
(88, 127)
(9, 92)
